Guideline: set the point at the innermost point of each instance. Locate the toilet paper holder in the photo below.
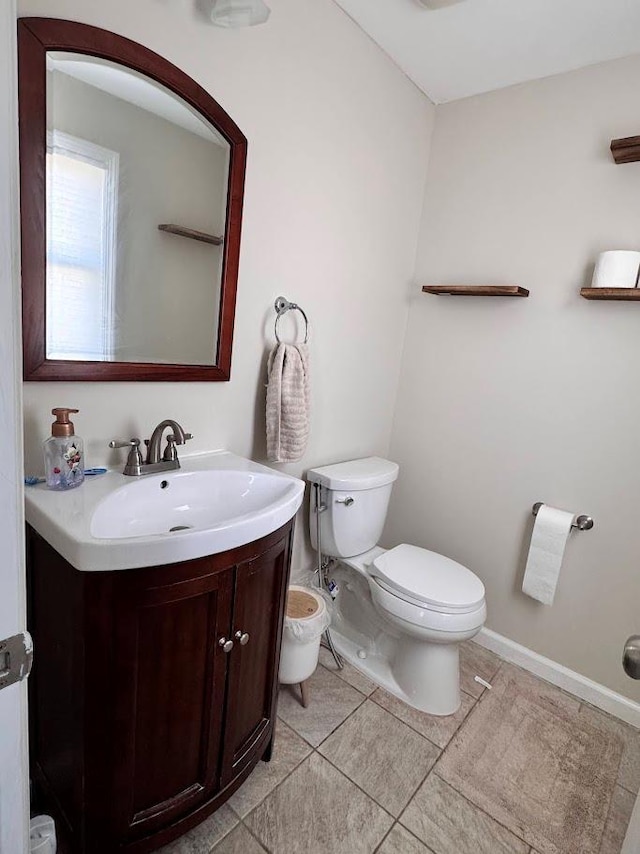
(582, 522)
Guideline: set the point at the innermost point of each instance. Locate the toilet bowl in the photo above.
(404, 619)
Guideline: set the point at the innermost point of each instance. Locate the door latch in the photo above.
(16, 657)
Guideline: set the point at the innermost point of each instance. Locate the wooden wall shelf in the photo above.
(626, 150)
(191, 233)
(628, 294)
(477, 290)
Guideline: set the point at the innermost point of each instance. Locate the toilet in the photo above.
(400, 614)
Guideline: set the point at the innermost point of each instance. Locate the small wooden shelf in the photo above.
(628, 294)
(626, 150)
(477, 290)
(191, 233)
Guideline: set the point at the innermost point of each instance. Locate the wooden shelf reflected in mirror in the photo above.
(191, 233)
(477, 290)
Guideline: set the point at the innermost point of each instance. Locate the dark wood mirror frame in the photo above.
(36, 36)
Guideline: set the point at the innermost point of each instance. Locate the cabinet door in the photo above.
(258, 610)
(170, 694)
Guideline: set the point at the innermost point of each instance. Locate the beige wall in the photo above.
(506, 402)
(167, 287)
(338, 147)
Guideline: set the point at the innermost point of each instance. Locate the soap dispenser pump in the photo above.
(63, 453)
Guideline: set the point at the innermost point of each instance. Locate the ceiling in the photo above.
(477, 46)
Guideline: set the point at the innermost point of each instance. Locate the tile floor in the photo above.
(521, 769)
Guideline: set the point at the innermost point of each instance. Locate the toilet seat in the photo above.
(423, 618)
(428, 580)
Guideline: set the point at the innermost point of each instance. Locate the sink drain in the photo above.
(180, 528)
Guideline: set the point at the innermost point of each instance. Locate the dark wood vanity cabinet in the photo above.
(153, 690)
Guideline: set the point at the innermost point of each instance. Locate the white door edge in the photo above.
(14, 775)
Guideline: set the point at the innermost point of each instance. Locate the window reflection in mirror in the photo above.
(125, 156)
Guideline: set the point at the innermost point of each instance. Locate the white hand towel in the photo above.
(550, 534)
(288, 395)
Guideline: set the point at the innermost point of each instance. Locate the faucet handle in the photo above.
(170, 453)
(133, 466)
(171, 437)
(124, 443)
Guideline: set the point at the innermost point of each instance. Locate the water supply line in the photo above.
(319, 508)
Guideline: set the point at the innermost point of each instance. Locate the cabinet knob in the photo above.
(243, 637)
(227, 645)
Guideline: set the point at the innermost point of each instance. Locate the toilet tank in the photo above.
(351, 527)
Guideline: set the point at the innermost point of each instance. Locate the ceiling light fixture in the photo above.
(238, 13)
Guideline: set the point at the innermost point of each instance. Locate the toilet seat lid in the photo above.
(428, 577)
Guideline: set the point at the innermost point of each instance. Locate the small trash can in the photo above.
(42, 835)
(306, 618)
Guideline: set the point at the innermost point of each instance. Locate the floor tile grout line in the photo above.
(606, 821)
(602, 712)
(413, 794)
(277, 786)
(412, 834)
(406, 830)
(337, 727)
(358, 786)
(633, 792)
(618, 722)
(417, 788)
(481, 809)
(476, 700)
(224, 835)
(342, 774)
(316, 749)
(568, 694)
(337, 672)
(384, 838)
(259, 841)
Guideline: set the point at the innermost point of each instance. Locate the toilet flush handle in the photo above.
(348, 501)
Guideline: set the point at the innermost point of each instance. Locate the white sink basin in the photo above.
(189, 501)
(215, 502)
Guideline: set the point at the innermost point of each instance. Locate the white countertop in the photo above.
(64, 519)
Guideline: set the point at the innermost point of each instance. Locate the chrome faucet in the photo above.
(136, 466)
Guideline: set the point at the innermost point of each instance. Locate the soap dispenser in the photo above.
(63, 453)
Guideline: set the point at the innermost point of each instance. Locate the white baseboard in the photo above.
(570, 681)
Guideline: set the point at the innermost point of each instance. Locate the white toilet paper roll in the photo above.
(617, 269)
(550, 534)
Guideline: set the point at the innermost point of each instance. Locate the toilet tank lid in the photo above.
(353, 475)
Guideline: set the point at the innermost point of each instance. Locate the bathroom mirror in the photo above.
(132, 181)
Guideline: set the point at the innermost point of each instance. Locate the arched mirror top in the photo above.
(132, 180)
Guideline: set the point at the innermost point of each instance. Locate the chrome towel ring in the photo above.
(282, 306)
